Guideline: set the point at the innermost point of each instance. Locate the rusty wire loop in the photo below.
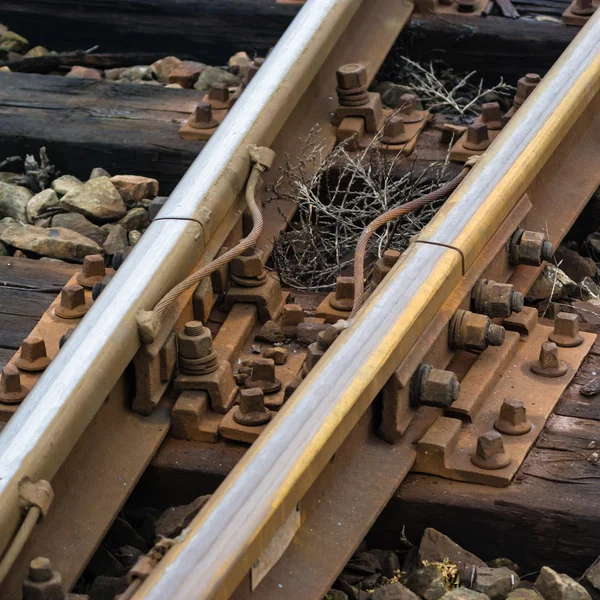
(394, 213)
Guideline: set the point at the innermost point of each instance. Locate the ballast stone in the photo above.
(65, 184)
(495, 583)
(13, 201)
(97, 199)
(78, 223)
(558, 586)
(463, 593)
(428, 583)
(41, 203)
(393, 591)
(135, 188)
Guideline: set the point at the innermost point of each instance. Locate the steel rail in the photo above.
(41, 434)
(262, 490)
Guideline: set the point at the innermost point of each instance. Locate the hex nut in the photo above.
(549, 363)
(32, 356)
(92, 271)
(477, 137)
(344, 294)
(291, 315)
(409, 110)
(525, 87)
(351, 76)
(490, 453)
(313, 353)
(384, 265)
(263, 376)
(40, 569)
(491, 115)
(473, 332)
(433, 387)
(496, 300)
(529, 248)
(248, 264)
(195, 341)
(42, 582)
(513, 418)
(251, 410)
(72, 302)
(566, 331)
(12, 391)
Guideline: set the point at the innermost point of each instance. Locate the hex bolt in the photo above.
(248, 264)
(195, 341)
(491, 115)
(433, 387)
(202, 117)
(408, 108)
(263, 376)
(473, 332)
(384, 265)
(513, 418)
(477, 137)
(525, 87)
(92, 271)
(42, 581)
(99, 287)
(11, 389)
(65, 336)
(72, 302)
(566, 331)
(33, 355)
(529, 248)
(344, 294)
(549, 363)
(251, 410)
(394, 131)
(351, 76)
(219, 92)
(40, 569)
(583, 8)
(490, 453)
(496, 300)
(324, 339)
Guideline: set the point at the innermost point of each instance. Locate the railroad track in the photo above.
(320, 463)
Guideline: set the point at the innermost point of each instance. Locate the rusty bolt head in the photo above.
(491, 115)
(202, 117)
(433, 387)
(474, 332)
(513, 418)
(383, 266)
(390, 257)
(490, 452)
(11, 390)
(195, 341)
(529, 248)
(249, 264)
(351, 76)
(344, 294)
(549, 364)
(583, 8)
(263, 376)
(566, 331)
(313, 353)
(251, 410)
(72, 302)
(33, 355)
(92, 271)
(40, 569)
(496, 300)
(525, 86)
(292, 315)
(394, 131)
(219, 92)
(477, 137)
(409, 108)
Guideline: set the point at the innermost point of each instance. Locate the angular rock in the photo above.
(128, 555)
(495, 583)
(107, 588)
(186, 74)
(592, 575)
(335, 595)
(136, 73)
(435, 547)
(99, 172)
(37, 52)
(391, 93)
(116, 240)
(78, 71)
(279, 355)
(307, 332)
(13, 178)
(121, 533)
(270, 332)
(551, 282)
(463, 593)
(114, 74)
(589, 289)
(212, 75)
(65, 184)
(12, 42)
(389, 561)
(523, 594)
(361, 566)
(504, 562)
(239, 63)
(175, 519)
(352, 592)
(558, 586)
(78, 223)
(394, 591)
(592, 245)
(55, 242)
(13, 201)
(98, 200)
(134, 188)
(40, 203)
(136, 218)
(428, 583)
(163, 67)
(574, 265)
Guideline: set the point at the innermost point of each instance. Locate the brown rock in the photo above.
(84, 73)
(136, 218)
(393, 591)
(134, 188)
(577, 267)
(97, 199)
(307, 332)
(270, 332)
(186, 74)
(496, 583)
(279, 355)
(163, 67)
(116, 240)
(37, 52)
(558, 586)
(175, 519)
(78, 223)
(435, 547)
(428, 583)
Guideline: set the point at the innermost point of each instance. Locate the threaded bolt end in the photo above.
(390, 257)
(193, 328)
(495, 335)
(547, 250)
(516, 302)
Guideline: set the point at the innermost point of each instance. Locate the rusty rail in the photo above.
(263, 490)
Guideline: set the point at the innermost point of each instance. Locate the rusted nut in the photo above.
(525, 87)
(92, 271)
(529, 248)
(251, 410)
(513, 418)
(409, 108)
(202, 117)
(99, 287)
(344, 294)
(33, 355)
(490, 453)
(219, 92)
(491, 115)
(394, 131)
(65, 336)
(433, 387)
(72, 302)
(549, 363)
(583, 8)
(42, 581)
(477, 137)
(566, 331)
(263, 376)
(384, 265)
(351, 76)
(195, 341)
(470, 331)
(11, 389)
(496, 299)
(249, 264)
